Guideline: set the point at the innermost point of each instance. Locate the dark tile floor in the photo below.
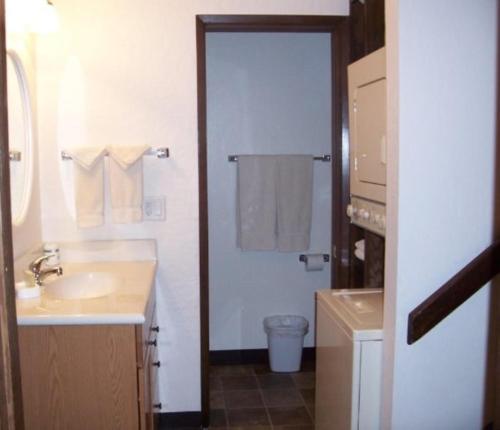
(251, 397)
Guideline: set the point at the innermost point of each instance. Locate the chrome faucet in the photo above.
(39, 273)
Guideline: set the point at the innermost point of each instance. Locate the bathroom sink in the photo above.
(83, 285)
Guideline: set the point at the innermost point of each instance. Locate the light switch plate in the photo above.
(154, 208)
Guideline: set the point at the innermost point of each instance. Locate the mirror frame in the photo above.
(28, 152)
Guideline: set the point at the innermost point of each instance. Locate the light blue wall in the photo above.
(267, 94)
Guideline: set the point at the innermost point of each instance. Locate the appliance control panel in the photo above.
(367, 214)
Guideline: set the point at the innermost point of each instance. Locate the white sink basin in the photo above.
(83, 285)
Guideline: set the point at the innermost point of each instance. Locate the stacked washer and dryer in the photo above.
(349, 322)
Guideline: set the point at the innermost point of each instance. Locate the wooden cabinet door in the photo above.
(79, 377)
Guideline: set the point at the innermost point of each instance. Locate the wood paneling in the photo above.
(11, 412)
(375, 25)
(367, 27)
(374, 260)
(79, 377)
(340, 150)
(357, 30)
(357, 267)
(454, 292)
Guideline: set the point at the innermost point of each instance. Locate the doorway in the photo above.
(336, 29)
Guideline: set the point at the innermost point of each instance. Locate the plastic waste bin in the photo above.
(285, 339)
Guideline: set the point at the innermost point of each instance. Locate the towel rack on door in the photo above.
(158, 152)
(326, 158)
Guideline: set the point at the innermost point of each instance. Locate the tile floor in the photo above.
(251, 397)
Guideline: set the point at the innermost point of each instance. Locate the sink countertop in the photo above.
(127, 305)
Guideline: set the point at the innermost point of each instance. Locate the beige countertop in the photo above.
(126, 305)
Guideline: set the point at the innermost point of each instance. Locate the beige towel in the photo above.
(294, 190)
(256, 202)
(89, 185)
(125, 181)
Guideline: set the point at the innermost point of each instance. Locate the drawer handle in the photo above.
(152, 342)
(155, 328)
(157, 363)
(157, 405)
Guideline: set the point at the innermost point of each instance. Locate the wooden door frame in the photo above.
(338, 27)
(11, 411)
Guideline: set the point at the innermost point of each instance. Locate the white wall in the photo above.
(268, 93)
(441, 83)
(27, 234)
(124, 71)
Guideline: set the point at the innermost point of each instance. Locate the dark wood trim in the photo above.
(367, 27)
(271, 23)
(338, 27)
(494, 356)
(203, 221)
(454, 292)
(340, 150)
(11, 411)
(180, 420)
(251, 356)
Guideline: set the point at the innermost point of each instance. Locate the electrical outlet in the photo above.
(154, 208)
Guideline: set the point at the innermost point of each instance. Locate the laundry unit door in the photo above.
(367, 124)
(369, 121)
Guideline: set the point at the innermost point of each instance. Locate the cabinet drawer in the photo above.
(146, 334)
(148, 397)
(155, 365)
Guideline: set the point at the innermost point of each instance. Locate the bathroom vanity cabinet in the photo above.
(92, 377)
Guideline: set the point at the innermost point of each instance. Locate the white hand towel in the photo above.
(256, 201)
(125, 181)
(294, 190)
(89, 185)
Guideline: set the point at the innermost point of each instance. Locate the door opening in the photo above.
(337, 29)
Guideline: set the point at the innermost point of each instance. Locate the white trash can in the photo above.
(285, 339)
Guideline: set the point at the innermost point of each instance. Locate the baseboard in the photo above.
(179, 419)
(251, 356)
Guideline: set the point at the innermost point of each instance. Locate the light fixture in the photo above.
(46, 20)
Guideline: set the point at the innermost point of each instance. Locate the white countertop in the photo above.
(127, 305)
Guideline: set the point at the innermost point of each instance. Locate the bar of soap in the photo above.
(27, 292)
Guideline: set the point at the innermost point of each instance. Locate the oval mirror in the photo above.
(20, 137)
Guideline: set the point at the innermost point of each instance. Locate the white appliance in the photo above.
(368, 150)
(348, 359)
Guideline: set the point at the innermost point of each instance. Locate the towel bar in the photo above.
(158, 152)
(303, 258)
(326, 158)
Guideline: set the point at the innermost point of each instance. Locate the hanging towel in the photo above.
(125, 181)
(294, 190)
(256, 200)
(89, 185)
